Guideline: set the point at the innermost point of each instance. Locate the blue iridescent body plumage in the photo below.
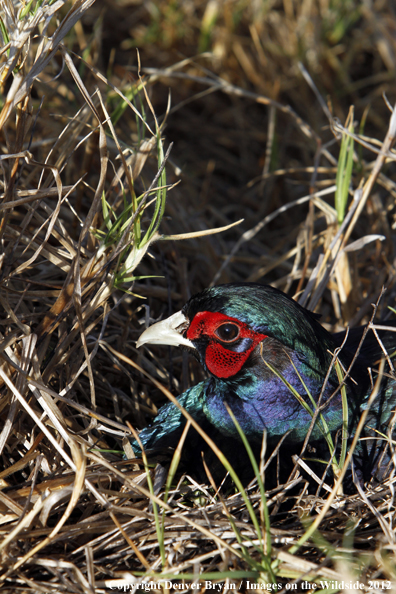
(291, 342)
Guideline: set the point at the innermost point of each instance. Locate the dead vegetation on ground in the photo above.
(256, 98)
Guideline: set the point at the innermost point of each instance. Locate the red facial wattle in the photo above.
(223, 333)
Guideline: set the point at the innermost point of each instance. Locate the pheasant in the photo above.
(265, 357)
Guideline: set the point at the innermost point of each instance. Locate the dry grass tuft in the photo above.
(261, 120)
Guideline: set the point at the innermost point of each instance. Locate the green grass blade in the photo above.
(323, 429)
(344, 435)
(161, 194)
(260, 483)
(344, 170)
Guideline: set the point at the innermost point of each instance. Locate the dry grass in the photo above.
(85, 172)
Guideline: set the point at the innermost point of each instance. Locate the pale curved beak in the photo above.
(169, 331)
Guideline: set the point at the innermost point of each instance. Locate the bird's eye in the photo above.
(227, 332)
